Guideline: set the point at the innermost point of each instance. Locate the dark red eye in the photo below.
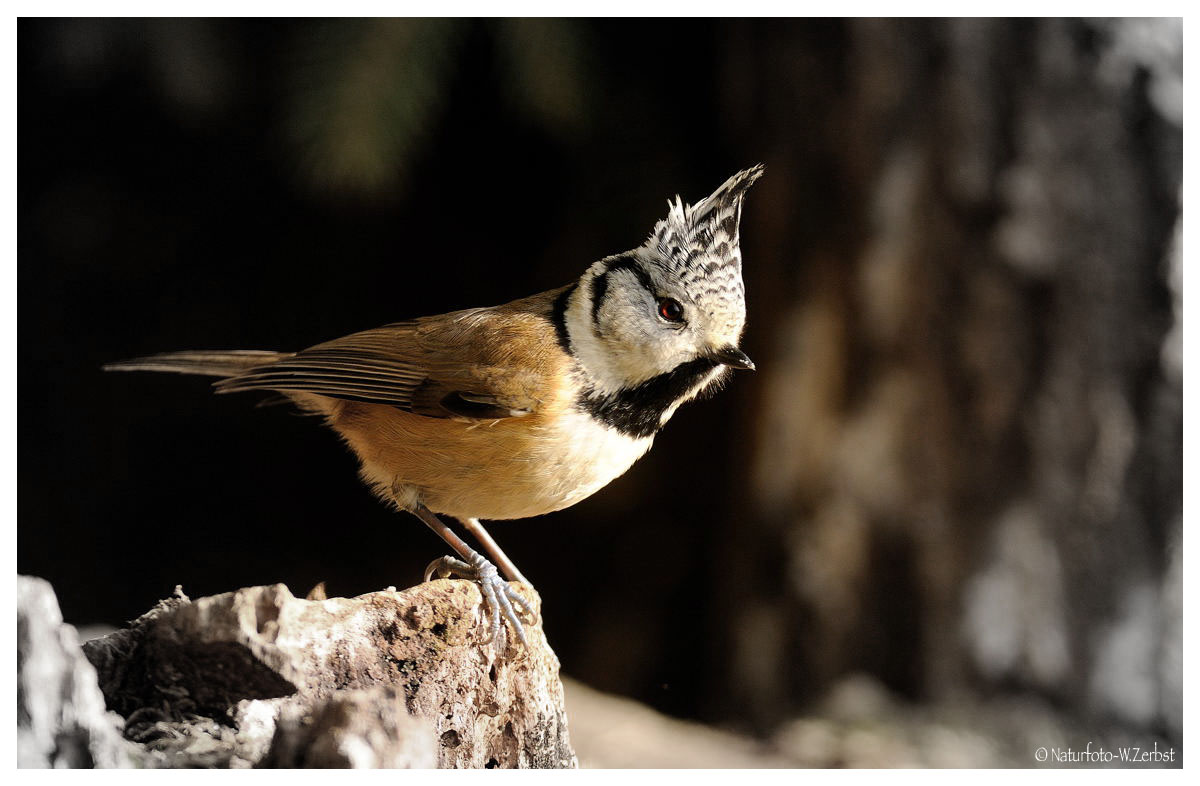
(670, 310)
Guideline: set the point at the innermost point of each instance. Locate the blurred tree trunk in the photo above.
(969, 469)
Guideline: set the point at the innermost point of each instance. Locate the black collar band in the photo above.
(637, 411)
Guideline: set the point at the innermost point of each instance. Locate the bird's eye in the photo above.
(670, 310)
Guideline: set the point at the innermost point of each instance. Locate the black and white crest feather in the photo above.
(701, 240)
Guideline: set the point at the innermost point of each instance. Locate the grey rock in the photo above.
(207, 682)
(61, 718)
(356, 729)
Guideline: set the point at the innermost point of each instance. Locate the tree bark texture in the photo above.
(969, 469)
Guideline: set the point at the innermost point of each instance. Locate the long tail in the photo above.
(213, 364)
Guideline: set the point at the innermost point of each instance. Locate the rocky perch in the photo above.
(260, 678)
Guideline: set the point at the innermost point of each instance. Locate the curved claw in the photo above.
(488, 589)
(498, 597)
(519, 599)
(445, 567)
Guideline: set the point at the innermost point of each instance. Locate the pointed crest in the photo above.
(705, 234)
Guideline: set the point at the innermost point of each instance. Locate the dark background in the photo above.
(959, 279)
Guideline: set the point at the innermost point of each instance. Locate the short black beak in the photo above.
(733, 357)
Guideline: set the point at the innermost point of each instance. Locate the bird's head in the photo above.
(677, 299)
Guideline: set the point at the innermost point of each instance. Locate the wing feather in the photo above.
(455, 365)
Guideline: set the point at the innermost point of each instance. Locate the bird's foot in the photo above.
(500, 599)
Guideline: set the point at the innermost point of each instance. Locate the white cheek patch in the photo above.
(622, 342)
(589, 349)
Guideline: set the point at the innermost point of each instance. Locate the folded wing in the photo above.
(457, 365)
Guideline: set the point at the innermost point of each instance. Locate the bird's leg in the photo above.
(498, 596)
(475, 527)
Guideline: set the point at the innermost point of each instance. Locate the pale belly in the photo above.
(509, 469)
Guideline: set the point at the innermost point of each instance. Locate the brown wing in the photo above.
(482, 363)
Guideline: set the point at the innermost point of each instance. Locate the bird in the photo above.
(522, 409)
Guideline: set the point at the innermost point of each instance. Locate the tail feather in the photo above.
(213, 364)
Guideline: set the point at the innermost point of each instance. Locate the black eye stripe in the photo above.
(631, 264)
(599, 290)
(559, 318)
(667, 308)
